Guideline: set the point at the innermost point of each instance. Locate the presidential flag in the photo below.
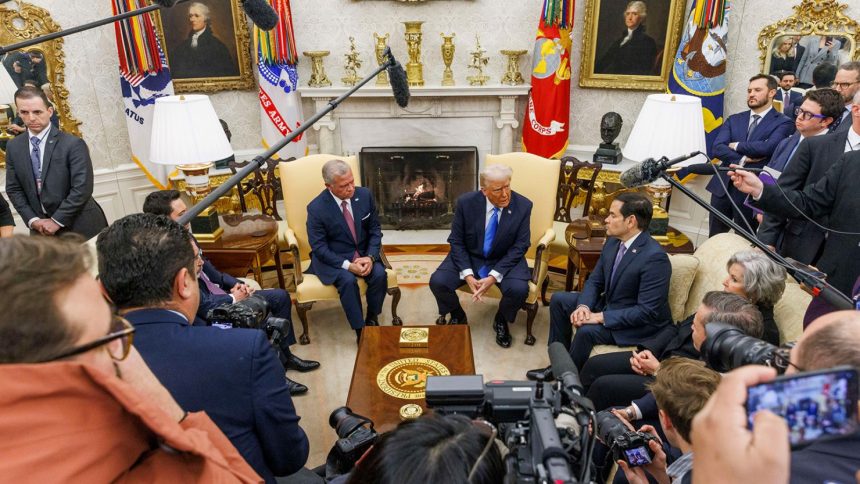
(144, 77)
(699, 68)
(545, 128)
(280, 105)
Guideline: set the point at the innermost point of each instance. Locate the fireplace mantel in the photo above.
(487, 117)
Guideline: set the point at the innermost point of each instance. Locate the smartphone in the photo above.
(816, 405)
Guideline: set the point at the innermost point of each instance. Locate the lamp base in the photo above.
(659, 225)
(206, 227)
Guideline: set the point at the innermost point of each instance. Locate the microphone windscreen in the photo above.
(162, 3)
(560, 360)
(633, 177)
(261, 13)
(399, 84)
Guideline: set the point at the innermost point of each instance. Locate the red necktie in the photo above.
(351, 224)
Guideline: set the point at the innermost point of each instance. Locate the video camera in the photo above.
(542, 448)
(727, 347)
(253, 313)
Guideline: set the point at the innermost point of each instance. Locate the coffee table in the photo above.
(449, 347)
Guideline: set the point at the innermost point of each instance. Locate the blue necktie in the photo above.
(753, 125)
(622, 249)
(36, 162)
(489, 234)
(788, 160)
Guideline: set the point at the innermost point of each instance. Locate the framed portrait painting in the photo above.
(207, 45)
(630, 44)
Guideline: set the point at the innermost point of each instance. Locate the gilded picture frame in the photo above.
(620, 53)
(218, 57)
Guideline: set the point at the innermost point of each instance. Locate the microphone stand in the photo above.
(258, 161)
(819, 287)
(80, 28)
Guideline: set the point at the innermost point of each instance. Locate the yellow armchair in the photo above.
(536, 178)
(302, 181)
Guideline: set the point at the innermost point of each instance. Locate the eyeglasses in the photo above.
(120, 329)
(781, 359)
(490, 441)
(806, 115)
(842, 85)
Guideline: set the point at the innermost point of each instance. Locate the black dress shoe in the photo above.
(503, 336)
(441, 320)
(371, 321)
(546, 373)
(458, 320)
(295, 387)
(298, 364)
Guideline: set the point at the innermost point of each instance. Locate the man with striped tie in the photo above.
(489, 238)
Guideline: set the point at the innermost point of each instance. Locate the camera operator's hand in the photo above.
(726, 450)
(657, 467)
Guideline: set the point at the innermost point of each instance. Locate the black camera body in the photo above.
(631, 446)
(253, 313)
(355, 435)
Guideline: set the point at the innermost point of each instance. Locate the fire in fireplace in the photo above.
(416, 188)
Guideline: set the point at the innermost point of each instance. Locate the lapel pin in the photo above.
(635, 250)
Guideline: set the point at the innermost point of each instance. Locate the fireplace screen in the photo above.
(416, 188)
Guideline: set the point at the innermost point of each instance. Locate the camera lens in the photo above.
(344, 422)
(727, 347)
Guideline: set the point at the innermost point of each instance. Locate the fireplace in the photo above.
(416, 188)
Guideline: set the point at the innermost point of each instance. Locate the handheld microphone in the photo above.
(397, 79)
(564, 369)
(744, 168)
(650, 169)
(259, 11)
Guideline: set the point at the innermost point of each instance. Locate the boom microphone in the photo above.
(397, 79)
(261, 13)
(164, 3)
(650, 169)
(564, 368)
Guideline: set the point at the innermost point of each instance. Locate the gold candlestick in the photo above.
(318, 75)
(513, 77)
(479, 60)
(414, 68)
(448, 57)
(381, 44)
(353, 64)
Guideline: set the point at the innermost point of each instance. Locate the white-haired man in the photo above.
(489, 238)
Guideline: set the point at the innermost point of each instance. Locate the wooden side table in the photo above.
(248, 242)
(583, 254)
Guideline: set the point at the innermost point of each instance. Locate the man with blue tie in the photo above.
(748, 137)
(346, 238)
(847, 83)
(802, 159)
(489, 238)
(790, 99)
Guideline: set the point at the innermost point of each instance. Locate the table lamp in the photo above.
(7, 113)
(668, 125)
(186, 133)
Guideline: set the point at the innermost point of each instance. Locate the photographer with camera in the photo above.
(147, 268)
(218, 288)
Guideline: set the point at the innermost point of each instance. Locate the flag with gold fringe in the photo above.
(144, 77)
(280, 105)
(699, 68)
(545, 128)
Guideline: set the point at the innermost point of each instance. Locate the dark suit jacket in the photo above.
(800, 239)
(329, 236)
(635, 304)
(771, 129)
(780, 157)
(235, 377)
(5, 213)
(844, 125)
(826, 461)
(221, 279)
(835, 195)
(672, 340)
(795, 99)
(512, 240)
(636, 56)
(67, 183)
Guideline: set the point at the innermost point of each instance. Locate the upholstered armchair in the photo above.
(535, 178)
(302, 181)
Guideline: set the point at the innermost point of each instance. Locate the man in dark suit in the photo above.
(346, 239)
(847, 83)
(49, 175)
(789, 99)
(147, 267)
(217, 288)
(803, 158)
(626, 297)
(746, 137)
(635, 51)
(489, 238)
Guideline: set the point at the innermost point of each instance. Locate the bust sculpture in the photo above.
(608, 152)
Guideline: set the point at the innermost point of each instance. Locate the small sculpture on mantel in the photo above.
(353, 64)
(448, 57)
(381, 44)
(608, 152)
(479, 61)
(318, 75)
(513, 76)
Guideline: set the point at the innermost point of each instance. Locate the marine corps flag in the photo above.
(699, 68)
(280, 106)
(144, 77)
(545, 129)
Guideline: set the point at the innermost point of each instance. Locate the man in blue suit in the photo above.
(790, 99)
(147, 268)
(489, 239)
(748, 137)
(346, 239)
(847, 83)
(626, 297)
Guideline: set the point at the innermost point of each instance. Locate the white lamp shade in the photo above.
(668, 125)
(186, 130)
(7, 87)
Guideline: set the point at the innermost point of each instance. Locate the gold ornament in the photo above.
(410, 411)
(318, 75)
(353, 64)
(406, 378)
(414, 68)
(479, 61)
(512, 76)
(381, 44)
(448, 57)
